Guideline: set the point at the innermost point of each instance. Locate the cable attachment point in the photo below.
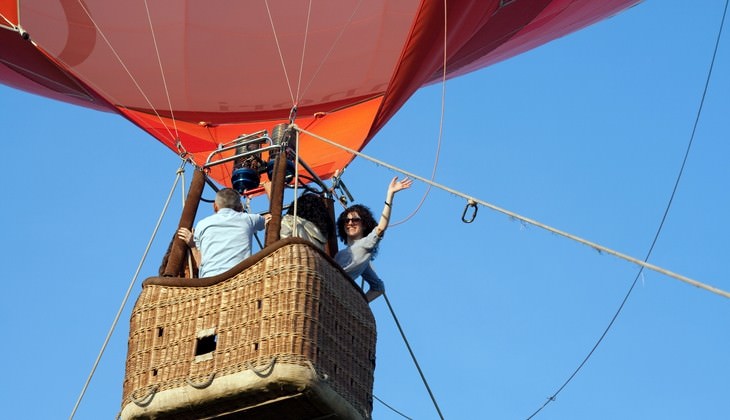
(292, 114)
(470, 204)
(181, 150)
(338, 185)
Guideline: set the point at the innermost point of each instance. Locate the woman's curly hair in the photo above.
(366, 216)
(312, 208)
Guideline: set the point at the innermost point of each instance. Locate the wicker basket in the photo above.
(285, 334)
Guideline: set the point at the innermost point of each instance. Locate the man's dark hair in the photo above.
(312, 208)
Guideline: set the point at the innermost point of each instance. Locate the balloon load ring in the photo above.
(249, 162)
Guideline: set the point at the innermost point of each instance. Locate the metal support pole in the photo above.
(331, 246)
(178, 249)
(276, 200)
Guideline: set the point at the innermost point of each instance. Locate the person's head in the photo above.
(228, 198)
(355, 222)
(312, 208)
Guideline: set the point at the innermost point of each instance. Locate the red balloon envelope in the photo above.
(196, 74)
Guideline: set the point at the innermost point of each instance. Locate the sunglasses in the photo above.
(353, 220)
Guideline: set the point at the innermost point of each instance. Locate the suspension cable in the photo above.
(441, 126)
(659, 229)
(123, 65)
(278, 49)
(597, 247)
(304, 50)
(391, 408)
(331, 49)
(126, 295)
(162, 70)
(413, 356)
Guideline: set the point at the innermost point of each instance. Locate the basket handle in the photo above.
(147, 399)
(201, 385)
(265, 371)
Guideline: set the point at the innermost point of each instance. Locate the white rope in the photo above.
(304, 52)
(162, 71)
(523, 219)
(332, 48)
(11, 24)
(300, 92)
(278, 49)
(441, 125)
(126, 295)
(124, 66)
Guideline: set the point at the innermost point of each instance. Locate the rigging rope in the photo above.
(124, 66)
(661, 223)
(329, 52)
(126, 295)
(281, 55)
(526, 220)
(162, 71)
(304, 53)
(413, 356)
(441, 126)
(11, 24)
(300, 92)
(391, 408)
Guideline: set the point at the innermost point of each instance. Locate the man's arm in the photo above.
(187, 236)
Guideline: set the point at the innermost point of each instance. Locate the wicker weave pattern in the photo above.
(293, 305)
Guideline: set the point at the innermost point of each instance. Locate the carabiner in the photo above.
(473, 204)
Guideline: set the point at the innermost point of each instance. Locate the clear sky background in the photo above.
(586, 134)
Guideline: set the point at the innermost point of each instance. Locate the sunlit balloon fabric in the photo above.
(196, 74)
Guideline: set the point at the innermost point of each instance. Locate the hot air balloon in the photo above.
(198, 76)
(207, 79)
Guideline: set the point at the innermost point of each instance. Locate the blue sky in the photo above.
(586, 134)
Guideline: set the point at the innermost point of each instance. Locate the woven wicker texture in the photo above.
(293, 305)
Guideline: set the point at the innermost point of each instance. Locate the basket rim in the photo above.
(244, 265)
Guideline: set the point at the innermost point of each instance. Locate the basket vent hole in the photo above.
(154, 372)
(258, 304)
(206, 344)
(255, 346)
(160, 331)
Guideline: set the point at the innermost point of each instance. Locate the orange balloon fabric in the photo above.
(196, 74)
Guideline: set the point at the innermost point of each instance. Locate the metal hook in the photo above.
(473, 204)
(338, 185)
(292, 114)
(181, 149)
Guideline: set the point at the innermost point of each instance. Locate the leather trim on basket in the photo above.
(243, 265)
